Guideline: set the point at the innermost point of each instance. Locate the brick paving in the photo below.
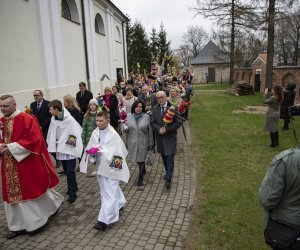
(153, 218)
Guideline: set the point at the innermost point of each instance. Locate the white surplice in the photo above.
(112, 197)
(68, 126)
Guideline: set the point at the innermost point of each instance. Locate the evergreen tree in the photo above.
(128, 29)
(165, 55)
(154, 44)
(138, 48)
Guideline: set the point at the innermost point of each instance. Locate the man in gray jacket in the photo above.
(279, 193)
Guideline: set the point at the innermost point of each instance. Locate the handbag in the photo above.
(150, 159)
(280, 234)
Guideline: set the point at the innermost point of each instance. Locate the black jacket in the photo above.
(76, 115)
(84, 100)
(43, 116)
(288, 100)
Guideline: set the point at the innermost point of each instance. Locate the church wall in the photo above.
(73, 50)
(102, 51)
(21, 63)
(39, 49)
(119, 46)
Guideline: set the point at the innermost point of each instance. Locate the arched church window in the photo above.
(118, 35)
(69, 10)
(99, 25)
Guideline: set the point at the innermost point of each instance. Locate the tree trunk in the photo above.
(296, 45)
(232, 43)
(270, 48)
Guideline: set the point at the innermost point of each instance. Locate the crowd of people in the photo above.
(131, 118)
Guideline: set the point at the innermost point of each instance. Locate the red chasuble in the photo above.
(30, 178)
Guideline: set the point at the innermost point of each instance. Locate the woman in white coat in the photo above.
(139, 136)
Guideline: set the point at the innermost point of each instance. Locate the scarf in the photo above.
(107, 102)
(137, 117)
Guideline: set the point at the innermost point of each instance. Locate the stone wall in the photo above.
(281, 74)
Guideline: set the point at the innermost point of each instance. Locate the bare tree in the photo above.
(194, 39)
(184, 55)
(270, 48)
(287, 37)
(271, 13)
(232, 14)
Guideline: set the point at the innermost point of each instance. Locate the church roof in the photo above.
(211, 54)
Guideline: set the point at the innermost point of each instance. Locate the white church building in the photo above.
(52, 45)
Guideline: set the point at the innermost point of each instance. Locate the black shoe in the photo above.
(13, 234)
(72, 199)
(121, 209)
(61, 172)
(168, 184)
(140, 181)
(57, 164)
(165, 177)
(100, 226)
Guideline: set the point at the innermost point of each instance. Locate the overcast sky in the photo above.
(175, 16)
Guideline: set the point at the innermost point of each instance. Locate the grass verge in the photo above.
(211, 86)
(232, 157)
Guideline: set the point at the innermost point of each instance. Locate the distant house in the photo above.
(211, 65)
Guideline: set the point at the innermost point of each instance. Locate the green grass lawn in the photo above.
(211, 86)
(232, 157)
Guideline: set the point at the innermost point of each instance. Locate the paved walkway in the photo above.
(154, 217)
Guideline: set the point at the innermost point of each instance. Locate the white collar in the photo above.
(40, 103)
(14, 114)
(165, 105)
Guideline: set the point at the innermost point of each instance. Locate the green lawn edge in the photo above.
(231, 156)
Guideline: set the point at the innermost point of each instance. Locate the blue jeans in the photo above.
(69, 167)
(169, 165)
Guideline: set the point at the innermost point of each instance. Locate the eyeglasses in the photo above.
(36, 95)
(160, 97)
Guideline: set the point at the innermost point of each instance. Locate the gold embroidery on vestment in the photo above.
(11, 172)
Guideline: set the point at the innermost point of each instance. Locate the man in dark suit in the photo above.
(83, 98)
(40, 109)
(166, 135)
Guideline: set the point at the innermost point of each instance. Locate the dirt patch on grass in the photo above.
(251, 110)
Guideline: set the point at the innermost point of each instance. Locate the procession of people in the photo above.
(132, 118)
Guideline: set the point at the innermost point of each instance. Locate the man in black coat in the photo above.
(83, 97)
(166, 135)
(40, 109)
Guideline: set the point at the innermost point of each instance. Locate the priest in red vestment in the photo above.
(28, 175)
